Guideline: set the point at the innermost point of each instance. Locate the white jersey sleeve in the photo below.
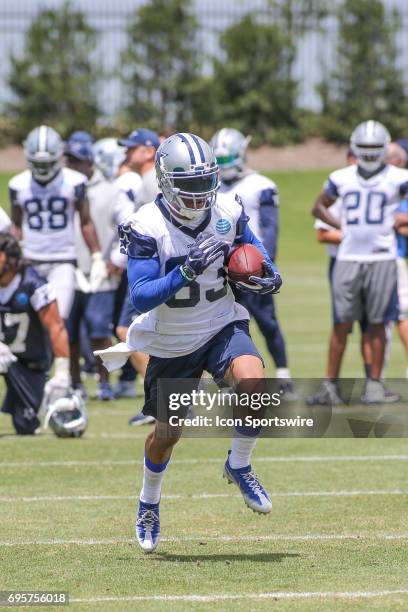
(48, 213)
(127, 187)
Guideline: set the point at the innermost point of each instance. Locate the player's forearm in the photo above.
(16, 231)
(17, 221)
(90, 236)
(51, 320)
(320, 210)
(328, 236)
(401, 223)
(59, 339)
(403, 230)
(147, 291)
(269, 224)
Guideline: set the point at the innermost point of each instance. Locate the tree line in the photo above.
(250, 85)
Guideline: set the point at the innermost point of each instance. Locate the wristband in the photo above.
(96, 255)
(61, 366)
(187, 273)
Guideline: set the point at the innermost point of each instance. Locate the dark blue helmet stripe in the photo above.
(199, 147)
(188, 145)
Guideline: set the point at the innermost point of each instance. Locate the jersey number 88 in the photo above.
(55, 208)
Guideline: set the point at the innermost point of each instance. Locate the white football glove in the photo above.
(58, 386)
(6, 358)
(99, 273)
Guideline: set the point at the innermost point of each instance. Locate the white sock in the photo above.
(153, 475)
(282, 373)
(241, 451)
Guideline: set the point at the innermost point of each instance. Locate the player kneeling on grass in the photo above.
(176, 248)
(29, 319)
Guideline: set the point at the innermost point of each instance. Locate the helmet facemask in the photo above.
(230, 148)
(369, 143)
(200, 188)
(370, 157)
(44, 171)
(43, 149)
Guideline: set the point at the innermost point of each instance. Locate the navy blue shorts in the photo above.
(99, 314)
(25, 388)
(77, 314)
(128, 313)
(215, 357)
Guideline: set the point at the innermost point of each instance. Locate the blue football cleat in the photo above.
(141, 419)
(148, 526)
(105, 392)
(252, 491)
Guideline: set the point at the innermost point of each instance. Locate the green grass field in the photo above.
(336, 538)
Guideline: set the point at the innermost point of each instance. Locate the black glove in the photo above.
(202, 253)
(269, 283)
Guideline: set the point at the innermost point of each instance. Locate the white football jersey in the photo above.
(149, 189)
(102, 206)
(250, 188)
(128, 186)
(335, 210)
(48, 213)
(199, 311)
(368, 208)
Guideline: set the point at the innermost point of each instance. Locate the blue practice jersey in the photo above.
(21, 328)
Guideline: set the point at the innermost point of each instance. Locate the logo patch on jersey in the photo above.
(22, 299)
(223, 226)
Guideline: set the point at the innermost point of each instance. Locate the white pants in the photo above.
(62, 277)
(402, 270)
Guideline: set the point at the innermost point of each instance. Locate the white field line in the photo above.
(251, 596)
(309, 537)
(58, 498)
(289, 459)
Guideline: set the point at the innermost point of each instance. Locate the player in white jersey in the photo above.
(190, 322)
(142, 145)
(43, 200)
(95, 309)
(365, 277)
(260, 199)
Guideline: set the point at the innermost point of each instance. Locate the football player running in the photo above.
(191, 322)
(43, 200)
(365, 274)
(260, 199)
(30, 320)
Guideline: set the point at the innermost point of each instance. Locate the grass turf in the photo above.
(212, 545)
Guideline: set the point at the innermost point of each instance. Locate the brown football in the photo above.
(244, 262)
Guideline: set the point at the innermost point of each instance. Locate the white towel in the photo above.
(115, 356)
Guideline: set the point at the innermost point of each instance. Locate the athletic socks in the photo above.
(241, 451)
(282, 373)
(153, 474)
